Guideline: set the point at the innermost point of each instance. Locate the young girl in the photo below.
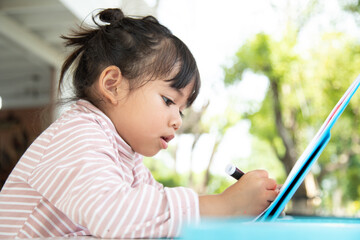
(84, 175)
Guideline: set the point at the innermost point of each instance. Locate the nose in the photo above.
(176, 121)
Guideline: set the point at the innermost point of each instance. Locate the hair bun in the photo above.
(111, 15)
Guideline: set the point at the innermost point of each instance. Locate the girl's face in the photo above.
(149, 116)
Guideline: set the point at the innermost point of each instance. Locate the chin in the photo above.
(148, 153)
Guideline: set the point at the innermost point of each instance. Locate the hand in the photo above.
(249, 196)
(252, 194)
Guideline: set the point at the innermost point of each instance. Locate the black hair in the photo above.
(139, 47)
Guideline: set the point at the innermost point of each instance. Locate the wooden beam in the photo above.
(30, 41)
(26, 6)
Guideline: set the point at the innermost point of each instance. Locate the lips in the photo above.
(168, 138)
(165, 140)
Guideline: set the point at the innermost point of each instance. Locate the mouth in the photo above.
(165, 140)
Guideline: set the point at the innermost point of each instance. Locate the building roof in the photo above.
(31, 49)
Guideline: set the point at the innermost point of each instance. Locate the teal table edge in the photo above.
(293, 228)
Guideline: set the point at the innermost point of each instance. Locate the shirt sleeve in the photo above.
(183, 202)
(81, 175)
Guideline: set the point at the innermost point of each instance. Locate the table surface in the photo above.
(289, 228)
(284, 228)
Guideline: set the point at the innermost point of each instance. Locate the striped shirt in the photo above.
(80, 178)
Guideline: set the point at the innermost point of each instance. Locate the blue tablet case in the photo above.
(308, 158)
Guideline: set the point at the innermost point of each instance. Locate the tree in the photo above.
(219, 125)
(273, 59)
(302, 90)
(337, 62)
(352, 7)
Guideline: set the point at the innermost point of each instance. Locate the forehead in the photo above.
(182, 91)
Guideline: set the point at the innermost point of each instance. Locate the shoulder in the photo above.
(77, 134)
(79, 125)
(83, 116)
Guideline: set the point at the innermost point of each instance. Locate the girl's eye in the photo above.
(167, 101)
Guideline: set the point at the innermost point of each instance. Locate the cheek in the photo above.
(156, 113)
(152, 112)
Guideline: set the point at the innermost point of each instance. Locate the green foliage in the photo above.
(264, 56)
(264, 129)
(246, 59)
(263, 157)
(218, 184)
(164, 174)
(338, 61)
(169, 178)
(309, 85)
(352, 6)
(352, 179)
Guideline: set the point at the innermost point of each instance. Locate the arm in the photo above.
(247, 197)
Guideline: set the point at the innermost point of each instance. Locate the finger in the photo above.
(271, 195)
(260, 173)
(271, 184)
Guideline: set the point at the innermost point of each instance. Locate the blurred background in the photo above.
(271, 73)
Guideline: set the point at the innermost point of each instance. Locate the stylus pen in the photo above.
(234, 171)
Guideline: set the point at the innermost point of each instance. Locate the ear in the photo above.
(109, 82)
